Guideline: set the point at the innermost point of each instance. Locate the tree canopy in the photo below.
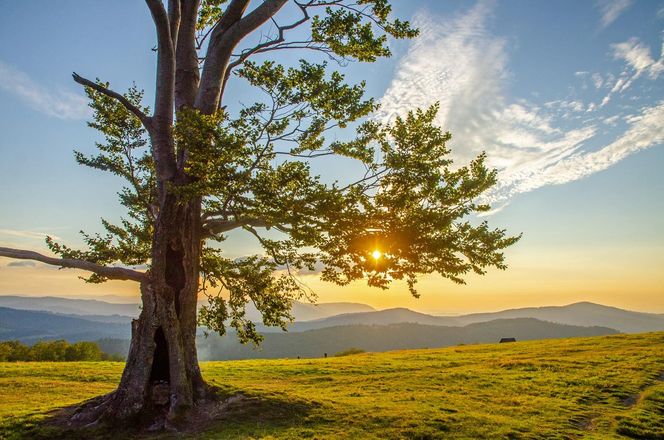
(250, 166)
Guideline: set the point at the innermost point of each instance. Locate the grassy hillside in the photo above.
(600, 387)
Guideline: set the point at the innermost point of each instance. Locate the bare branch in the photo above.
(219, 226)
(145, 119)
(163, 146)
(187, 72)
(375, 176)
(165, 61)
(223, 40)
(174, 15)
(262, 47)
(113, 273)
(213, 225)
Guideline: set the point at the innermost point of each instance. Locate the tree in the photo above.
(199, 167)
(83, 351)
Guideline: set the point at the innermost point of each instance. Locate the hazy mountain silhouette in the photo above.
(376, 333)
(583, 314)
(31, 326)
(69, 305)
(127, 311)
(77, 319)
(379, 317)
(307, 312)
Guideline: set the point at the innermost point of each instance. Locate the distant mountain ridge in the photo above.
(369, 330)
(581, 314)
(377, 317)
(69, 306)
(31, 326)
(323, 315)
(127, 311)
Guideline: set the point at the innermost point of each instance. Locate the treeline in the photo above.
(58, 351)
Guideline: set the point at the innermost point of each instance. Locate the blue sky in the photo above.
(566, 98)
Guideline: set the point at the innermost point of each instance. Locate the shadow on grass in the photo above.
(236, 414)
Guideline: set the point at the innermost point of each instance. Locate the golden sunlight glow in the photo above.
(376, 254)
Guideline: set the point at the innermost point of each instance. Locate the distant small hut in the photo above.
(502, 340)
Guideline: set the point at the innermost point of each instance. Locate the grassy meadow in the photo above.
(600, 387)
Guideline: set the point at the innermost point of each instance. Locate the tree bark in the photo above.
(161, 381)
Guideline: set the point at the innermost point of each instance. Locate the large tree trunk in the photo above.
(162, 380)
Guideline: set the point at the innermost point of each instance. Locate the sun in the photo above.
(376, 254)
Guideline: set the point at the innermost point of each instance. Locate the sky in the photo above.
(566, 98)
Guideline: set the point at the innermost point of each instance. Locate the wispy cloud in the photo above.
(461, 65)
(22, 264)
(27, 234)
(645, 130)
(638, 62)
(637, 56)
(59, 103)
(610, 10)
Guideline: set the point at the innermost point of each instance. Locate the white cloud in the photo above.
(637, 59)
(59, 103)
(458, 63)
(27, 234)
(611, 120)
(611, 10)
(23, 263)
(646, 130)
(597, 80)
(637, 56)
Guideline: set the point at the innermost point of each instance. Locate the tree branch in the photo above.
(174, 15)
(186, 72)
(219, 226)
(113, 273)
(280, 38)
(145, 119)
(163, 145)
(226, 35)
(165, 61)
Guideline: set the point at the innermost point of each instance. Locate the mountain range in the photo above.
(580, 314)
(124, 312)
(30, 326)
(323, 328)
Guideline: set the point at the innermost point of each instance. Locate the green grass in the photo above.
(601, 387)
